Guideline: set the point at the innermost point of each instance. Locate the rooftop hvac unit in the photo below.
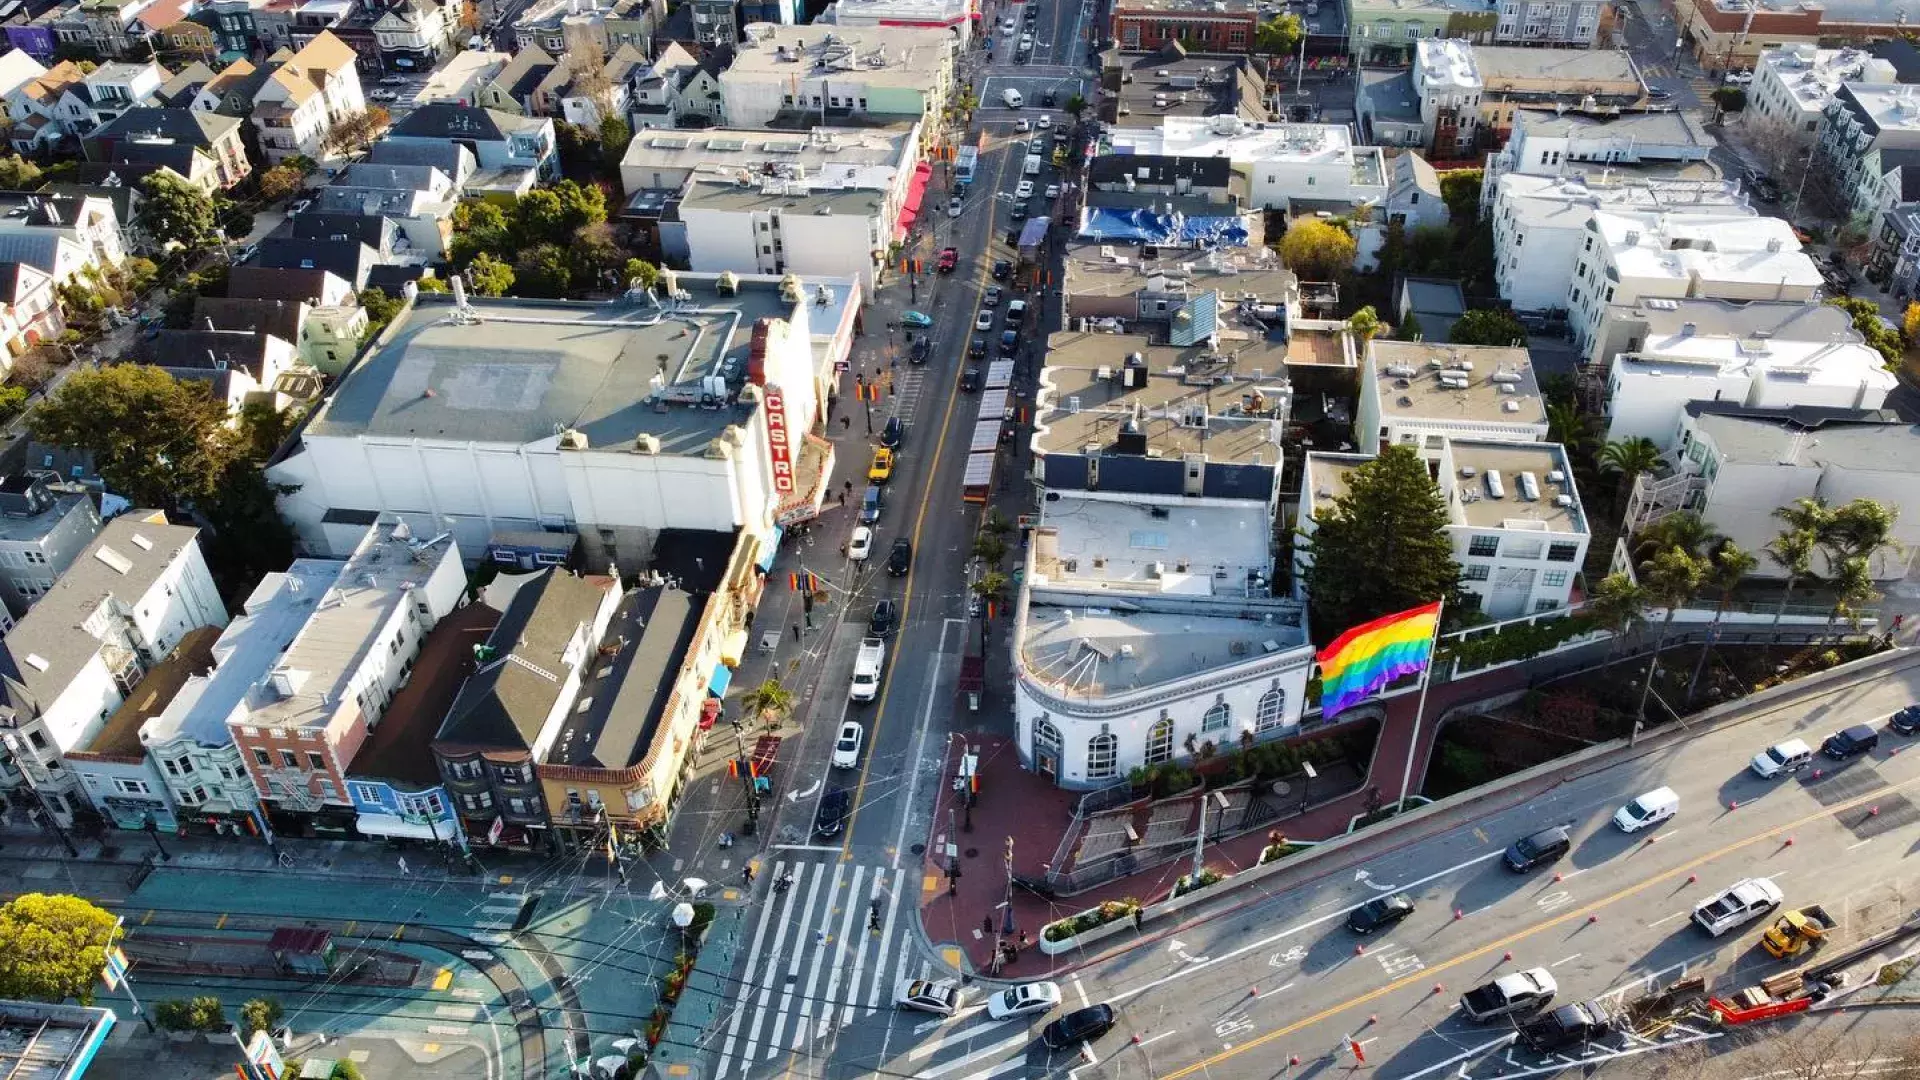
(1509, 406)
(1506, 378)
(1461, 365)
(1563, 500)
(1529, 487)
(645, 443)
(1556, 477)
(1495, 489)
(1468, 472)
(1401, 371)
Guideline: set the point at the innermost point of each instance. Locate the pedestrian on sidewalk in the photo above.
(986, 924)
(846, 422)
(747, 872)
(796, 631)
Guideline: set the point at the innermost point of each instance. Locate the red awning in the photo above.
(916, 194)
(709, 712)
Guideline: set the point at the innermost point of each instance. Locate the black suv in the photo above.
(885, 614)
(1080, 1025)
(900, 558)
(922, 350)
(1538, 849)
(894, 433)
(977, 347)
(1379, 913)
(1851, 742)
(1002, 269)
(970, 379)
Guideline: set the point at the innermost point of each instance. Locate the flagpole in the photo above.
(1420, 710)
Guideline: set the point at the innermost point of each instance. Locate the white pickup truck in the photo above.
(1742, 902)
(866, 669)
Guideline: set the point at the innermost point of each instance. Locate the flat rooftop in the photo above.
(1171, 82)
(1811, 75)
(1234, 139)
(523, 368)
(1469, 498)
(400, 749)
(1667, 319)
(50, 1042)
(245, 652)
(1858, 440)
(1567, 201)
(1084, 399)
(192, 656)
(1102, 268)
(1091, 650)
(1819, 363)
(1658, 129)
(20, 528)
(1697, 247)
(1391, 93)
(1197, 547)
(1887, 108)
(829, 152)
(1577, 69)
(1409, 385)
(783, 197)
(378, 578)
(915, 58)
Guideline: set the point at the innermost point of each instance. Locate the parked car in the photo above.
(393, 80)
(299, 206)
(1850, 742)
(846, 748)
(1781, 758)
(991, 298)
(921, 351)
(1026, 999)
(1002, 270)
(1738, 903)
(894, 433)
(1379, 913)
(1023, 124)
(977, 347)
(984, 320)
(1044, 122)
(955, 207)
(1538, 849)
(860, 545)
(925, 995)
(1047, 99)
(916, 319)
(900, 559)
(1078, 1026)
(1650, 809)
(1053, 191)
(1569, 1026)
(886, 614)
(1023, 190)
(1521, 992)
(1906, 721)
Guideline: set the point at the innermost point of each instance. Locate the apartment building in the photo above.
(828, 74)
(42, 532)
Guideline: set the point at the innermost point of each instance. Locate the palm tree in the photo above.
(1629, 458)
(990, 585)
(771, 701)
(1566, 426)
(1862, 529)
(1852, 582)
(1805, 523)
(1685, 530)
(990, 548)
(995, 523)
(1616, 604)
(1671, 578)
(1731, 563)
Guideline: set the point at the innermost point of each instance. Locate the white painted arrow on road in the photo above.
(796, 796)
(1179, 949)
(1363, 876)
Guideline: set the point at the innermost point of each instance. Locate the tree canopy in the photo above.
(155, 439)
(18, 174)
(1867, 319)
(1483, 326)
(1460, 190)
(279, 182)
(1280, 35)
(549, 242)
(1317, 250)
(52, 947)
(1381, 547)
(176, 212)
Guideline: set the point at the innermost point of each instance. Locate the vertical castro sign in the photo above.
(779, 440)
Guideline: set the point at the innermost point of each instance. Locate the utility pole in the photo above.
(1200, 839)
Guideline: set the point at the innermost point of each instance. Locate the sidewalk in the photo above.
(1018, 804)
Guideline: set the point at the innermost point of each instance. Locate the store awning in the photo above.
(772, 548)
(916, 194)
(390, 825)
(732, 649)
(709, 713)
(722, 678)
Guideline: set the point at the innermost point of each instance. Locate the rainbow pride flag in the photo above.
(1371, 655)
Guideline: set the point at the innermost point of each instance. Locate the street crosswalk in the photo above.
(814, 963)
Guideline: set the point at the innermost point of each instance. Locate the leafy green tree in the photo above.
(52, 947)
(1730, 565)
(597, 258)
(1671, 578)
(1409, 328)
(1460, 190)
(1075, 106)
(1279, 36)
(1364, 324)
(12, 400)
(18, 174)
(155, 439)
(432, 285)
(1629, 458)
(381, 310)
(1383, 546)
(770, 702)
(176, 212)
(641, 272)
(259, 1014)
(1431, 249)
(280, 182)
(489, 276)
(989, 548)
(1730, 99)
(552, 215)
(615, 135)
(1484, 326)
(544, 270)
(1317, 250)
(1866, 317)
(1616, 605)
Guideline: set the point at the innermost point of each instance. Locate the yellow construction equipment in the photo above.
(1798, 931)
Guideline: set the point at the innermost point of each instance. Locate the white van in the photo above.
(1650, 809)
(1012, 98)
(1032, 167)
(1787, 757)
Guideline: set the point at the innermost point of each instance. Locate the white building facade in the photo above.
(1280, 161)
(838, 72)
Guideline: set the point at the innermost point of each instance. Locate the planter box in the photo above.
(1098, 933)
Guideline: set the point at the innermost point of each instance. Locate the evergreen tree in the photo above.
(1381, 547)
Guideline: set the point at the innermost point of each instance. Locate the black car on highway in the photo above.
(1078, 1026)
(885, 615)
(900, 558)
(1538, 849)
(1906, 721)
(1379, 913)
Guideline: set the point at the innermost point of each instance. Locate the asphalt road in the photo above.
(1244, 993)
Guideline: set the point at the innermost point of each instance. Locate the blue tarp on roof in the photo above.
(1145, 226)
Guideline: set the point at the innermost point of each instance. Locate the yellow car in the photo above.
(882, 468)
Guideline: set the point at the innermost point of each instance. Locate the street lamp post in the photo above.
(152, 828)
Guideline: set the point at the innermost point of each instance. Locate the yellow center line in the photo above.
(919, 522)
(1427, 973)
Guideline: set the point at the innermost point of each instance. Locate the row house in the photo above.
(1859, 121)
(1219, 26)
(63, 236)
(300, 727)
(204, 148)
(30, 312)
(308, 93)
(589, 26)
(139, 588)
